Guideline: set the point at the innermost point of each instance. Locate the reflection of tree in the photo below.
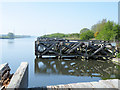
(91, 68)
(10, 41)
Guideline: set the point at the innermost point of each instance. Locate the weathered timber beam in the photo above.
(47, 49)
(75, 44)
(97, 51)
(3, 69)
(68, 46)
(74, 48)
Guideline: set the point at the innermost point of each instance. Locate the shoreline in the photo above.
(16, 37)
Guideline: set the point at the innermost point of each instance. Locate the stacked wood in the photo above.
(5, 75)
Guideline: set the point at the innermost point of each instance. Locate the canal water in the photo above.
(43, 72)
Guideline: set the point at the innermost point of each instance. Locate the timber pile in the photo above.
(92, 49)
(5, 76)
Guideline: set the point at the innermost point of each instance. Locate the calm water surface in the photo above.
(43, 72)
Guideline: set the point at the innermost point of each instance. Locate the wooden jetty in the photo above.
(62, 48)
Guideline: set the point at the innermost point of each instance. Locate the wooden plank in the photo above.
(69, 47)
(74, 48)
(97, 51)
(47, 49)
(3, 67)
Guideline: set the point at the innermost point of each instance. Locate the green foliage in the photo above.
(55, 35)
(73, 35)
(116, 32)
(103, 30)
(99, 26)
(84, 30)
(107, 32)
(61, 35)
(118, 55)
(87, 35)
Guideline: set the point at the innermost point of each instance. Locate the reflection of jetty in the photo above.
(104, 69)
(61, 48)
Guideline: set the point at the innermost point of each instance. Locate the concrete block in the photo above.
(20, 77)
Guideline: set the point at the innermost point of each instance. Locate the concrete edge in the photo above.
(110, 83)
(20, 77)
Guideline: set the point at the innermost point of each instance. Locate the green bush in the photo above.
(87, 35)
(118, 55)
(62, 35)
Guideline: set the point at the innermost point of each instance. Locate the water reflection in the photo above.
(91, 68)
(10, 41)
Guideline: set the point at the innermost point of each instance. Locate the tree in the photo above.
(61, 35)
(84, 30)
(107, 32)
(99, 26)
(55, 35)
(74, 35)
(116, 30)
(87, 35)
(11, 35)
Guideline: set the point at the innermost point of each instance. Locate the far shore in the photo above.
(16, 37)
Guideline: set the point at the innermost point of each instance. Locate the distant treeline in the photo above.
(12, 36)
(103, 30)
(61, 35)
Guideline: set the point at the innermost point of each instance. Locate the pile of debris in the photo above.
(5, 76)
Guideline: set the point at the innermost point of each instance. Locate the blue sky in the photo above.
(39, 18)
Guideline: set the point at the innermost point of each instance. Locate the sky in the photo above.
(39, 18)
(119, 13)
